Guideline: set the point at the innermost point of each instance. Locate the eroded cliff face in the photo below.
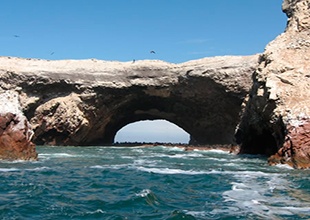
(86, 102)
(15, 130)
(276, 120)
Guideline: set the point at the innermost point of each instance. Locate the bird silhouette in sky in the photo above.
(52, 53)
(16, 35)
(152, 51)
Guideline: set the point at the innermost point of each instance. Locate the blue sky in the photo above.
(123, 30)
(178, 30)
(152, 131)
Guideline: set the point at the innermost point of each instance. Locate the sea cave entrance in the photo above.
(152, 131)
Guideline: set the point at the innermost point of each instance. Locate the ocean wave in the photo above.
(9, 169)
(305, 210)
(198, 214)
(170, 171)
(285, 166)
(186, 156)
(167, 148)
(114, 167)
(258, 193)
(18, 161)
(215, 151)
(38, 169)
(145, 162)
(58, 155)
(96, 212)
(144, 193)
(13, 169)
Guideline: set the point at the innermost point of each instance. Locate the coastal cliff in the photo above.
(15, 130)
(276, 119)
(86, 102)
(259, 102)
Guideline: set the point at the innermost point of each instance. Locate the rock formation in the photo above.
(15, 130)
(86, 102)
(261, 101)
(276, 119)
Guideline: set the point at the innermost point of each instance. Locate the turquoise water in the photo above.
(150, 183)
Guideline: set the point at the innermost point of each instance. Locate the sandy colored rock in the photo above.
(86, 102)
(279, 99)
(15, 130)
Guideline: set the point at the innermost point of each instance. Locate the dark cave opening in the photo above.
(259, 143)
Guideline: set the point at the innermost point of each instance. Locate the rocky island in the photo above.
(258, 102)
(276, 118)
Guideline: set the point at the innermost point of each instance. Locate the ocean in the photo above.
(150, 183)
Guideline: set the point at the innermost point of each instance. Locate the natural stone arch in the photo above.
(149, 108)
(202, 108)
(86, 102)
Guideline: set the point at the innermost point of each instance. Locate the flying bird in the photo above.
(16, 35)
(152, 51)
(52, 53)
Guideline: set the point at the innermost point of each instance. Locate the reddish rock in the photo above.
(276, 117)
(15, 138)
(296, 148)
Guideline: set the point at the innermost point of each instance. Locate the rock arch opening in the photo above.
(152, 131)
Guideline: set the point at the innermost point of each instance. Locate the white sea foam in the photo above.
(285, 166)
(195, 154)
(8, 169)
(97, 211)
(217, 151)
(117, 147)
(197, 214)
(305, 210)
(127, 157)
(177, 156)
(114, 167)
(219, 159)
(171, 148)
(258, 196)
(138, 150)
(254, 174)
(184, 156)
(57, 155)
(145, 162)
(39, 169)
(144, 193)
(176, 149)
(189, 156)
(12, 161)
(16, 169)
(170, 171)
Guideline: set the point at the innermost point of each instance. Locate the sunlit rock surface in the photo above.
(276, 120)
(260, 101)
(15, 130)
(85, 102)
